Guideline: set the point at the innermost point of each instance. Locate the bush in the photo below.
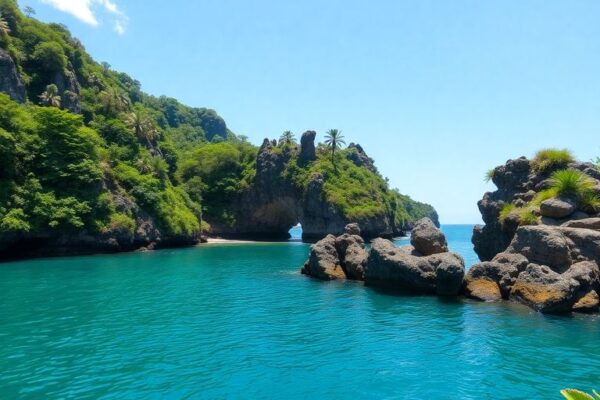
(121, 223)
(489, 175)
(550, 159)
(570, 182)
(51, 56)
(505, 211)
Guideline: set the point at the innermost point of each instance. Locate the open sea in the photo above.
(238, 321)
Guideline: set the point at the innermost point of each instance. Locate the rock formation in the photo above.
(274, 202)
(518, 183)
(427, 267)
(10, 81)
(338, 258)
(549, 268)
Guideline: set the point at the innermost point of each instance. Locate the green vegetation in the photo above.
(574, 394)
(89, 151)
(104, 169)
(287, 138)
(489, 175)
(550, 159)
(571, 183)
(523, 215)
(566, 183)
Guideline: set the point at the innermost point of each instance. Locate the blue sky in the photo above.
(437, 92)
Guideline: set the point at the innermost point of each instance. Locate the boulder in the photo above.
(557, 208)
(352, 229)
(10, 80)
(355, 261)
(352, 254)
(586, 223)
(544, 245)
(427, 239)
(483, 289)
(544, 290)
(589, 302)
(400, 268)
(502, 271)
(323, 261)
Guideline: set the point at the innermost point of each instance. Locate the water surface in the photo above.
(238, 321)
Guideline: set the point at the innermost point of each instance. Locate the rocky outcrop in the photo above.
(549, 268)
(274, 202)
(337, 258)
(10, 81)
(358, 156)
(408, 269)
(307, 146)
(386, 265)
(68, 87)
(518, 183)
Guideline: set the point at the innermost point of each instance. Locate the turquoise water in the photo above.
(238, 321)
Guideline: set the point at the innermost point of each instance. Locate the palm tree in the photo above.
(29, 11)
(287, 137)
(143, 128)
(50, 96)
(334, 140)
(114, 100)
(4, 28)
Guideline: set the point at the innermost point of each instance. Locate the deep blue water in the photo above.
(239, 321)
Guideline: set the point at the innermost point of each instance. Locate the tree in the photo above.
(4, 28)
(334, 140)
(143, 127)
(114, 101)
(50, 56)
(287, 137)
(50, 97)
(29, 11)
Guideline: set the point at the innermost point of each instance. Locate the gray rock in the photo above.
(10, 81)
(586, 223)
(543, 245)
(557, 208)
(323, 261)
(544, 290)
(390, 266)
(427, 239)
(502, 271)
(307, 146)
(352, 229)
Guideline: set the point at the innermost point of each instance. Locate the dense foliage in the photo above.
(90, 151)
(98, 170)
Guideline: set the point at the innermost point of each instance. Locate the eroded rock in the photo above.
(427, 239)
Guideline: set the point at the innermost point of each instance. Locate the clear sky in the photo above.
(437, 92)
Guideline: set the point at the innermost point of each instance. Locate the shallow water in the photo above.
(238, 321)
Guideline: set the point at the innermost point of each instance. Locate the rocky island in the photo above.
(540, 245)
(541, 240)
(426, 266)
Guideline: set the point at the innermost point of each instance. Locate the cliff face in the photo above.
(518, 183)
(10, 81)
(291, 187)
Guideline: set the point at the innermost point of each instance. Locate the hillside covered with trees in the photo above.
(88, 161)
